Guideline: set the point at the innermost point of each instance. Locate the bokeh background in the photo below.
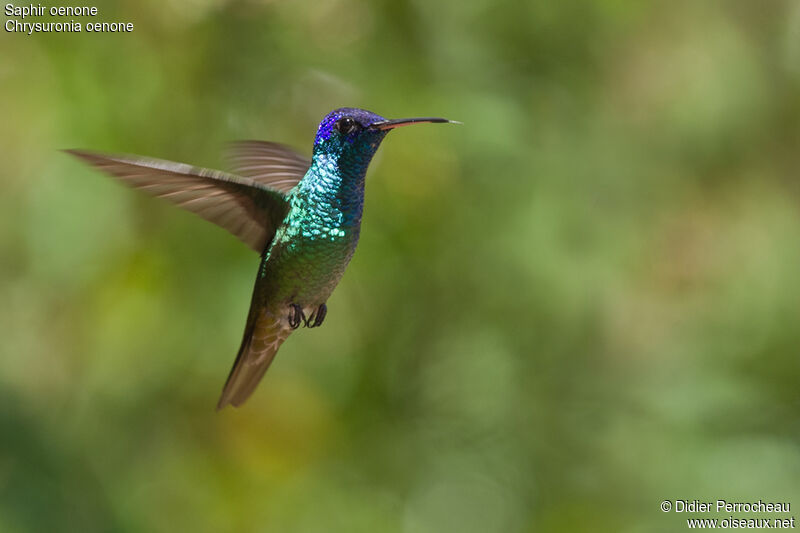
(581, 302)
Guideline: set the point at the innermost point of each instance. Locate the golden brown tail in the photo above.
(264, 334)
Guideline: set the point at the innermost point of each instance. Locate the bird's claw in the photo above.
(296, 316)
(317, 316)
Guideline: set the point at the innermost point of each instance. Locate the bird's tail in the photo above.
(263, 335)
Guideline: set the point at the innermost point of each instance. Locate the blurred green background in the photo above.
(581, 302)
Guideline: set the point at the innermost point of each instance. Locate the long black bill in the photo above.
(396, 123)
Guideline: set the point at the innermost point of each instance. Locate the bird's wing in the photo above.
(271, 164)
(241, 205)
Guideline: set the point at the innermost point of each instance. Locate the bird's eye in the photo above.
(346, 125)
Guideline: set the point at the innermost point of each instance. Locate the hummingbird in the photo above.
(302, 216)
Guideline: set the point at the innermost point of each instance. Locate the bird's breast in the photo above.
(310, 253)
(311, 249)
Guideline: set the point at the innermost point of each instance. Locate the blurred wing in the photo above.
(271, 164)
(242, 206)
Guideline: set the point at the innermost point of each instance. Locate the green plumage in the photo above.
(303, 217)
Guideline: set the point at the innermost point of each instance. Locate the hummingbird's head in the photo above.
(355, 134)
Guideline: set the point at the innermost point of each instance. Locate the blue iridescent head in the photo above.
(356, 133)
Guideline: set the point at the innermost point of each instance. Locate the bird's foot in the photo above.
(296, 316)
(316, 318)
